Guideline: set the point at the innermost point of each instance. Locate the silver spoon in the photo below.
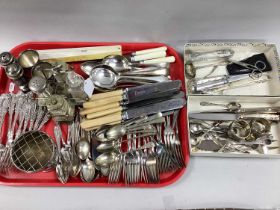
(104, 76)
(88, 167)
(105, 159)
(83, 147)
(141, 125)
(121, 64)
(62, 170)
(87, 170)
(100, 133)
(232, 106)
(75, 164)
(75, 160)
(118, 62)
(108, 146)
(87, 66)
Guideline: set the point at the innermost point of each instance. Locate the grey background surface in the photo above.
(208, 182)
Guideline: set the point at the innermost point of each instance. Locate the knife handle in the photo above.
(169, 59)
(141, 52)
(99, 109)
(272, 117)
(96, 127)
(106, 95)
(117, 117)
(102, 102)
(104, 113)
(152, 55)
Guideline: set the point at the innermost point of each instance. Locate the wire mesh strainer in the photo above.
(33, 151)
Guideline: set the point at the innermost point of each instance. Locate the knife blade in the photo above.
(144, 92)
(223, 116)
(180, 94)
(135, 94)
(163, 106)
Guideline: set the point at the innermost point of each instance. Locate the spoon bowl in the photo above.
(83, 149)
(87, 170)
(115, 132)
(108, 146)
(118, 62)
(106, 77)
(105, 159)
(100, 133)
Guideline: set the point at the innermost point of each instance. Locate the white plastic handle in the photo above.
(157, 54)
(169, 59)
(81, 49)
(141, 52)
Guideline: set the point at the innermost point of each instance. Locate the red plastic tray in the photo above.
(17, 178)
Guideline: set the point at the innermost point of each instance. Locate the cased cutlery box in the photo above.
(231, 96)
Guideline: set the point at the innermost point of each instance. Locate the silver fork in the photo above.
(39, 117)
(178, 153)
(143, 159)
(137, 161)
(170, 138)
(162, 158)
(22, 116)
(168, 133)
(15, 100)
(167, 165)
(127, 162)
(116, 168)
(5, 103)
(152, 167)
(33, 115)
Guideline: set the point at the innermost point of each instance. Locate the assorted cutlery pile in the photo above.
(127, 133)
(140, 150)
(119, 121)
(235, 129)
